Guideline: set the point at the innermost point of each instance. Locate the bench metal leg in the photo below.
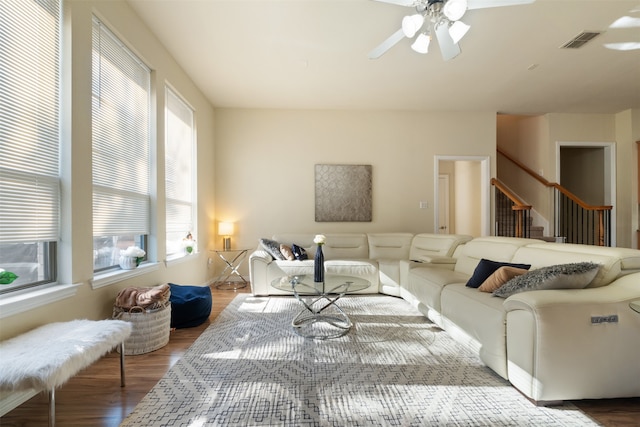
(122, 373)
(52, 407)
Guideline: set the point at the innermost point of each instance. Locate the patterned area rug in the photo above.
(394, 368)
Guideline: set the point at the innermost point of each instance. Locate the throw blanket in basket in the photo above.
(154, 297)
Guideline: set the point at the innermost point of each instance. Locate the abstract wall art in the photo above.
(343, 193)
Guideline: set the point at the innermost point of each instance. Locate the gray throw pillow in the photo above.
(272, 247)
(561, 276)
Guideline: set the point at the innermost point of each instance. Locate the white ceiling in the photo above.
(312, 54)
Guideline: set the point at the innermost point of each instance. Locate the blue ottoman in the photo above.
(190, 305)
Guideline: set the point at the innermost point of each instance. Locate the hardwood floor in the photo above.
(94, 397)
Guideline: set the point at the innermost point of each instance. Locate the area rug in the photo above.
(395, 368)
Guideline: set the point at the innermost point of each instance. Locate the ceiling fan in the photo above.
(439, 18)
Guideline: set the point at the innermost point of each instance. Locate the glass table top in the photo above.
(303, 284)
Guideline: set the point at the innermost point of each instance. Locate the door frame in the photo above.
(445, 199)
(485, 179)
(609, 172)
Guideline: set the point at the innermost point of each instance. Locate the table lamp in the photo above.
(225, 229)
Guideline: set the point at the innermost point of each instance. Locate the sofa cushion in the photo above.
(561, 276)
(272, 247)
(486, 267)
(426, 284)
(499, 277)
(496, 248)
(478, 320)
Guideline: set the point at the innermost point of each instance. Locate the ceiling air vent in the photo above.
(580, 40)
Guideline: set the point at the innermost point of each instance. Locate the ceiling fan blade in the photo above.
(407, 3)
(390, 42)
(482, 4)
(448, 48)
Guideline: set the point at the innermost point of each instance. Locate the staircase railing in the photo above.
(512, 214)
(575, 220)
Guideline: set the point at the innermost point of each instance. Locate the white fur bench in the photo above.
(47, 357)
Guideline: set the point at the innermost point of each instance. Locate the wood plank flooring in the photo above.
(94, 397)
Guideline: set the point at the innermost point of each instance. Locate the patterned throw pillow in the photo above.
(562, 276)
(272, 247)
(287, 253)
(299, 252)
(499, 277)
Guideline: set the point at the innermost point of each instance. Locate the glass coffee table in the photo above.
(320, 318)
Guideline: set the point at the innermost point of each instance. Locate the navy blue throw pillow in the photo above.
(485, 268)
(299, 252)
(190, 305)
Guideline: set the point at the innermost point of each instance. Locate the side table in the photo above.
(233, 259)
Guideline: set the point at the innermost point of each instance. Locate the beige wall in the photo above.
(76, 243)
(265, 165)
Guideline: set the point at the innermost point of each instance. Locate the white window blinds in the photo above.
(121, 137)
(179, 170)
(29, 120)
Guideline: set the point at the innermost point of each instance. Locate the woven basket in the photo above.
(150, 330)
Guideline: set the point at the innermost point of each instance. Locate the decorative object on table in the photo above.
(225, 229)
(343, 193)
(131, 258)
(7, 277)
(149, 312)
(189, 244)
(318, 260)
(191, 305)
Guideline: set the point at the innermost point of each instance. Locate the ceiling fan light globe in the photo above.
(421, 45)
(454, 9)
(458, 30)
(412, 24)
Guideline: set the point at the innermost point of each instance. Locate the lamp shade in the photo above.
(455, 9)
(225, 228)
(457, 31)
(421, 45)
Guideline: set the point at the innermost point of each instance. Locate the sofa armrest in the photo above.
(575, 344)
(258, 265)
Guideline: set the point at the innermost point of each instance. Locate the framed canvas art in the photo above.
(343, 193)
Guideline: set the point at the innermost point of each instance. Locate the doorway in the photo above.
(588, 170)
(468, 209)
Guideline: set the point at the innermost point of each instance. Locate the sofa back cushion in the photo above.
(337, 246)
(493, 248)
(614, 262)
(429, 245)
(389, 245)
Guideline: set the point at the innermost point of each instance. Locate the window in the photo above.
(179, 170)
(121, 116)
(29, 140)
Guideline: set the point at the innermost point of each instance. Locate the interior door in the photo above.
(443, 204)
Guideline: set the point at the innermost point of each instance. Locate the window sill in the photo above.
(115, 276)
(179, 259)
(19, 302)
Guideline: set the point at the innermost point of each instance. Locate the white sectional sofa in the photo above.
(552, 345)
(376, 257)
